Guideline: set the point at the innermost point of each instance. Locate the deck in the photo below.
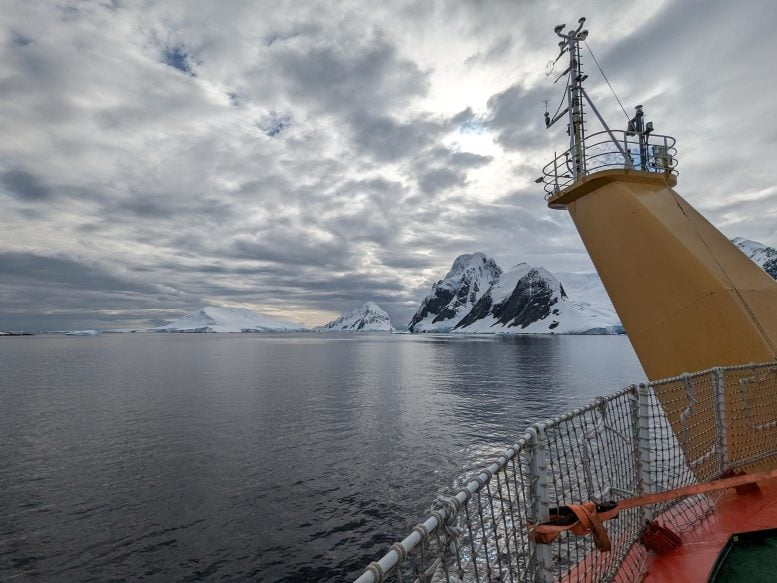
(694, 560)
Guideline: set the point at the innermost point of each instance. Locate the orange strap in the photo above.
(732, 482)
(589, 520)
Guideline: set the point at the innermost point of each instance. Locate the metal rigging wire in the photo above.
(563, 95)
(598, 66)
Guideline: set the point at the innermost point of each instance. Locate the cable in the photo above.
(607, 80)
(563, 95)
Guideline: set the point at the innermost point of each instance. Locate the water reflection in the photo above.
(279, 458)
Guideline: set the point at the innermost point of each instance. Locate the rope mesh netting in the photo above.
(643, 439)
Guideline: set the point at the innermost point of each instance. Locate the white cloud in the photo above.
(303, 159)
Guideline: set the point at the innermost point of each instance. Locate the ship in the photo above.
(673, 479)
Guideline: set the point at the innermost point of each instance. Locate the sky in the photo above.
(302, 158)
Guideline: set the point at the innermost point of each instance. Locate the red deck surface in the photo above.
(694, 560)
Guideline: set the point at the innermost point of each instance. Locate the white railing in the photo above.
(645, 438)
(610, 150)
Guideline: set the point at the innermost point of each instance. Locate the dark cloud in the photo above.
(135, 189)
(400, 259)
(41, 292)
(362, 74)
(469, 160)
(464, 118)
(517, 115)
(437, 179)
(308, 29)
(289, 248)
(438, 169)
(68, 11)
(380, 189)
(361, 81)
(53, 271)
(363, 226)
(147, 208)
(20, 39)
(388, 139)
(496, 51)
(25, 186)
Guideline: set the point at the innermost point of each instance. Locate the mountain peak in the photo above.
(477, 296)
(464, 261)
(454, 296)
(369, 318)
(763, 255)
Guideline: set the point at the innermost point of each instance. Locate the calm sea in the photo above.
(258, 457)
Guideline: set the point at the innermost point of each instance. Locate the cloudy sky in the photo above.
(300, 158)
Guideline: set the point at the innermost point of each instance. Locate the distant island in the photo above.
(476, 296)
(368, 318)
(228, 320)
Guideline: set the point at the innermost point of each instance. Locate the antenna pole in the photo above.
(576, 129)
(576, 133)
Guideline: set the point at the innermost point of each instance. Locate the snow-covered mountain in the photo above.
(763, 255)
(530, 300)
(369, 318)
(228, 320)
(454, 296)
(524, 300)
(476, 296)
(586, 291)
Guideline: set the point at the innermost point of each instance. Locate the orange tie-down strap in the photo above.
(588, 517)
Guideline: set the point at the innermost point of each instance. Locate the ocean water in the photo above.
(290, 457)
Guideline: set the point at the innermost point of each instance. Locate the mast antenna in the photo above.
(591, 152)
(570, 43)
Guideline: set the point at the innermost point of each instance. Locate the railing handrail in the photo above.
(446, 510)
(477, 483)
(557, 174)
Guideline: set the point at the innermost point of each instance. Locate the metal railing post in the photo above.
(627, 163)
(719, 391)
(646, 483)
(542, 559)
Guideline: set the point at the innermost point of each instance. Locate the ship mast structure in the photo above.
(687, 297)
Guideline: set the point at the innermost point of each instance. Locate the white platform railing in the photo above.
(610, 150)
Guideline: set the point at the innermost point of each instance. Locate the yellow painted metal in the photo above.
(687, 297)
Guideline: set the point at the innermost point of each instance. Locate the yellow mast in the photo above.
(687, 297)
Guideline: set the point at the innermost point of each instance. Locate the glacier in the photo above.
(228, 320)
(368, 318)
